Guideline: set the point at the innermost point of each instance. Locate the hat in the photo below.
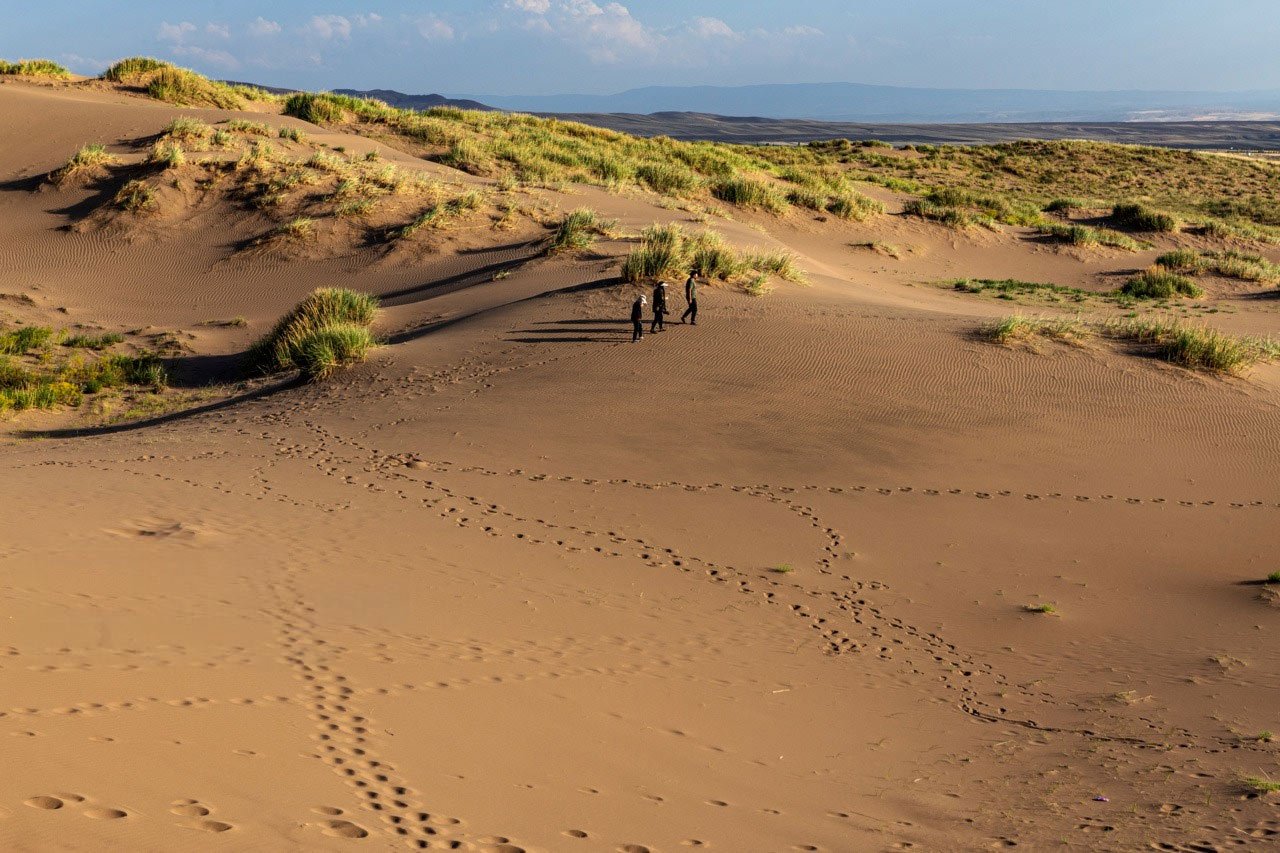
(662, 284)
(642, 298)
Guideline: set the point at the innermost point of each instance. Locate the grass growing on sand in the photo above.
(132, 68)
(670, 251)
(1228, 264)
(87, 160)
(438, 214)
(34, 68)
(1048, 609)
(579, 229)
(1160, 283)
(1260, 785)
(38, 381)
(1139, 217)
(1273, 578)
(93, 342)
(24, 339)
(136, 196)
(327, 330)
(167, 155)
(1008, 288)
(783, 569)
(1018, 329)
(188, 89)
(1083, 235)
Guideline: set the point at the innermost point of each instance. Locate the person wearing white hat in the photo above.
(637, 318)
(659, 307)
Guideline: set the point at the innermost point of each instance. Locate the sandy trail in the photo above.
(515, 584)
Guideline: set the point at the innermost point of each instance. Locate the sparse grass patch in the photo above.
(319, 334)
(299, 229)
(879, 248)
(670, 251)
(779, 263)
(93, 342)
(88, 160)
(136, 196)
(167, 155)
(1273, 578)
(1160, 283)
(1260, 785)
(1047, 609)
(34, 68)
(745, 192)
(783, 569)
(292, 134)
(1083, 235)
(667, 179)
(757, 285)
(1018, 329)
(1008, 288)
(855, 206)
(249, 128)
(438, 214)
(953, 217)
(189, 131)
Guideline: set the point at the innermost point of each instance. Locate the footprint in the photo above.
(43, 802)
(209, 825)
(343, 829)
(103, 813)
(189, 810)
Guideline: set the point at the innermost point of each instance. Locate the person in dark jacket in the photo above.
(659, 307)
(637, 318)
(691, 296)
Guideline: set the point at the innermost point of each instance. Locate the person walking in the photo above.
(637, 318)
(691, 296)
(659, 307)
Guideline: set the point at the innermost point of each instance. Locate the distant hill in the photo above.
(413, 102)
(389, 96)
(868, 103)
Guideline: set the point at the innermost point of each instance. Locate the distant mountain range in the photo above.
(389, 96)
(857, 102)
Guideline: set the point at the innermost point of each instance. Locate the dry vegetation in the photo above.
(328, 330)
(34, 68)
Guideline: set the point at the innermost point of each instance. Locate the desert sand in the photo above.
(514, 584)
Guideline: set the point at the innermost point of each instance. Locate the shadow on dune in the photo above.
(463, 280)
(171, 417)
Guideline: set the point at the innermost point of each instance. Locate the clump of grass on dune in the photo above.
(188, 89)
(1139, 217)
(327, 330)
(1228, 263)
(667, 179)
(1083, 235)
(1009, 288)
(189, 131)
(34, 68)
(167, 154)
(1160, 283)
(292, 134)
(854, 205)
(438, 215)
(954, 217)
(133, 68)
(670, 251)
(1260, 785)
(87, 161)
(1047, 609)
(299, 229)
(1194, 347)
(316, 108)
(24, 339)
(136, 196)
(93, 342)
(249, 128)
(1017, 329)
(745, 192)
(579, 229)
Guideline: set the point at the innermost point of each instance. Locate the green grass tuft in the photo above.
(1160, 283)
(93, 342)
(24, 339)
(1138, 217)
(136, 196)
(34, 68)
(1260, 785)
(188, 89)
(579, 229)
(1048, 609)
(322, 351)
(325, 308)
(88, 160)
(1272, 578)
(131, 69)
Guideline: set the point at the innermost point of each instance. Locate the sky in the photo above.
(517, 47)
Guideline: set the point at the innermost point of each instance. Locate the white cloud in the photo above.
(218, 30)
(330, 27)
(175, 32)
(712, 28)
(262, 27)
(432, 28)
(802, 30)
(534, 7)
(207, 56)
(367, 20)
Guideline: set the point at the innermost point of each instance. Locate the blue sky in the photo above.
(596, 46)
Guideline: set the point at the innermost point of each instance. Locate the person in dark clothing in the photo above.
(691, 296)
(637, 318)
(659, 307)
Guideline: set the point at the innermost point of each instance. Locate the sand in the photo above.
(515, 583)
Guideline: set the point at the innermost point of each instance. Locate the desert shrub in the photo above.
(130, 69)
(1020, 329)
(709, 257)
(1160, 283)
(326, 307)
(954, 217)
(437, 215)
(322, 351)
(34, 68)
(807, 198)
(1138, 217)
(299, 229)
(292, 134)
(315, 108)
(188, 130)
(467, 156)
(189, 89)
(779, 263)
(136, 196)
(661, 252)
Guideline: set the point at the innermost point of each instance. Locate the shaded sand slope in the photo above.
(514, 584)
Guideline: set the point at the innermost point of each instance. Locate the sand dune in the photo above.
(518, 584)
